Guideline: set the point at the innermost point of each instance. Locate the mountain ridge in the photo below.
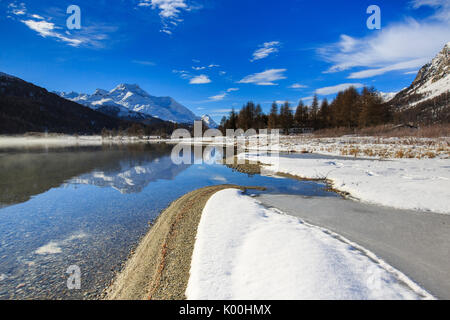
(427, 99)
(132, 99)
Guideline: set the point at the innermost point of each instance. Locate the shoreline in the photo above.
(158, 268)
(415, 243)
(350, 147)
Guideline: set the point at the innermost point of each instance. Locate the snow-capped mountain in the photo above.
(431, 83)
(26, 107)
(209, 121)
(387, 96)
(129, 100)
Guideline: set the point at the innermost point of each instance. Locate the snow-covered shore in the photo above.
(245, 251)
(349, 146)
(417, 184)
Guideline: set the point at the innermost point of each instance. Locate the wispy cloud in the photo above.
(265, 50)
(297, 86)
(413, 64)
(48, 27)
(144, 62)
(219, 112)
(223, 95)
(169, 11)
(18, 9)
(265, 78)
(201, 79)
(442, 6)
(183, 74)
(218, 97)
(335, 89)
(406, 45)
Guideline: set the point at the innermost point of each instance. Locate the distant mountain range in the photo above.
(25, 107)
(130, 102)
(428, 97)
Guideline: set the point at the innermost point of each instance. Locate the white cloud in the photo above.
(168, 8)
(47, 29)
(36, 16)
(169, 11)
(266, 49)
(335, 89)
(282, 101)
(413, 64)
(198, 68)
(183, 74)
(265, 78)
(91, 36)
(402, 46)
(297, 86)
(223, 95)
(17, 9)
(442, 8)
(218, 97)
(201, 79)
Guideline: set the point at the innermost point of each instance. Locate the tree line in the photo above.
(350, 108)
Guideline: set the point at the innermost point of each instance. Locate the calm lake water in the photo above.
(89, 206)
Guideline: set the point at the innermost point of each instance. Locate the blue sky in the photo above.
(212, 55)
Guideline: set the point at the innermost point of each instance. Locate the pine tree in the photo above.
(324, 115)
(233, 120)
(273, 116)
(286, 119)
(314, 112)
(300, 114)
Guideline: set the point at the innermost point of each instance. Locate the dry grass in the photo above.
(386, 131)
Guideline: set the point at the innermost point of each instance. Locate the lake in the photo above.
(89, 206)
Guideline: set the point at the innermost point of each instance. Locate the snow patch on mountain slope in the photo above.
(387, 96)
(432, 80)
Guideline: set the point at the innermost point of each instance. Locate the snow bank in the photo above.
(245, 251)
(404, 183)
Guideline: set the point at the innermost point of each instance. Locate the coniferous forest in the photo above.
(350, 109)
